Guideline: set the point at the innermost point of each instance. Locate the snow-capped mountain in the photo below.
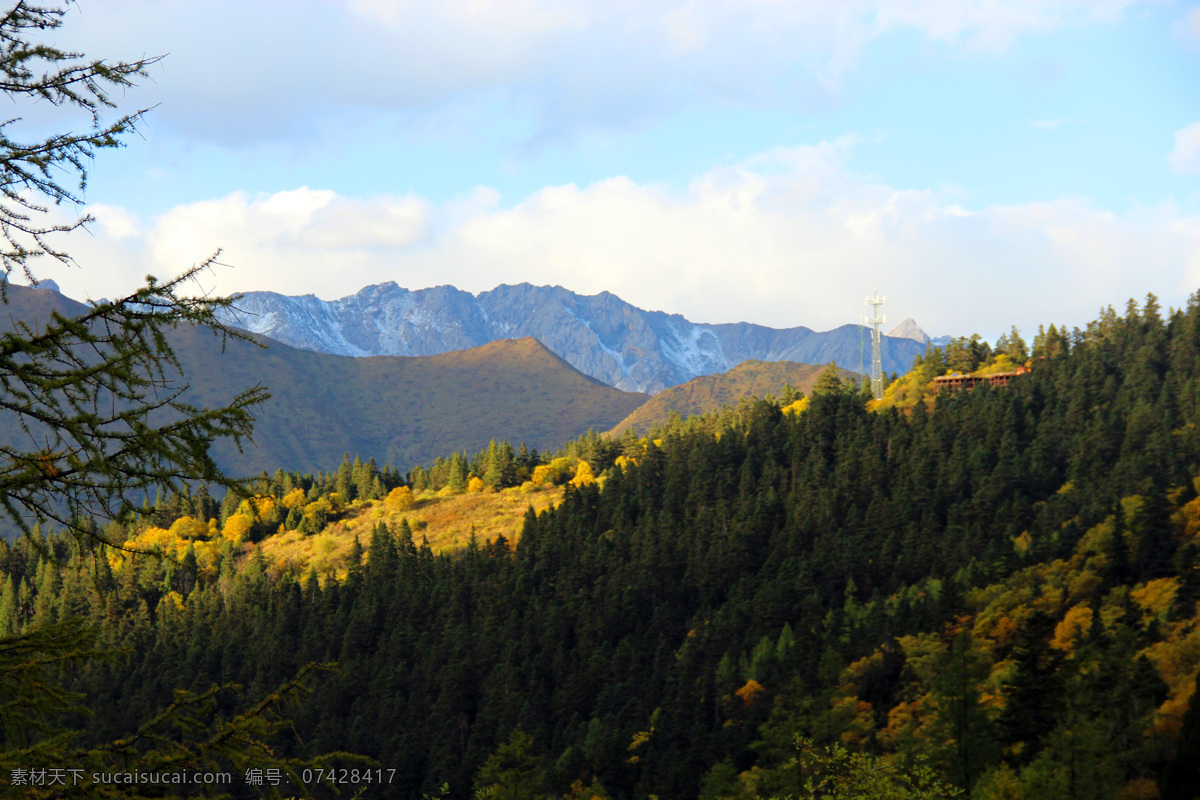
(909, 329)
(600, 335)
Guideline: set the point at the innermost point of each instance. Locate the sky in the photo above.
(979, 163)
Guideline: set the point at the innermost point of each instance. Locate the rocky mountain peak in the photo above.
(909, 329)
(600, 335)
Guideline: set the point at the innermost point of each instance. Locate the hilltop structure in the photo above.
(956, 382)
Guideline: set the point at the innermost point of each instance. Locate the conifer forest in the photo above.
(983, 594)
(982, 582)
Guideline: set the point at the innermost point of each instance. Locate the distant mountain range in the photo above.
(410, 409)
(600, 335)
(405, 410)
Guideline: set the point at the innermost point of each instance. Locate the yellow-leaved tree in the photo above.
(237, 528)
(583, 475)
(294, 499)
(399, 499)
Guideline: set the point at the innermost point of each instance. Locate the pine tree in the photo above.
(513, 772)
(187, 735)
(1155, 533)
(369, 485)
(960, 721)
(457, 477)
(101, 400)
(830, 382)
(1013, 345)
(1034, 696)
(8, 607)
(1179, 779)
(344, 482)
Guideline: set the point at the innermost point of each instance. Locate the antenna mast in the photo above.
(877, 319)
(862, 364)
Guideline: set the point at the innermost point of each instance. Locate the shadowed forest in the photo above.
(1000, 584)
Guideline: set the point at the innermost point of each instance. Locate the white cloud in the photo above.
(788, 238)
(116, 222)
(1185, 158)
(567, 64)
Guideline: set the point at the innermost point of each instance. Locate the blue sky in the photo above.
(981, 164)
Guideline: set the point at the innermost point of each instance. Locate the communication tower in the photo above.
(862, 364)
(876, 319)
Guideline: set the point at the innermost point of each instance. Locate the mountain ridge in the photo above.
(709, 393)
(408, 410)
(600, 335)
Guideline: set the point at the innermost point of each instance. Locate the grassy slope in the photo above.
(710, 392)
(446, 523)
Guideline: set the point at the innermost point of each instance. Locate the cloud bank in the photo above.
(790, 237)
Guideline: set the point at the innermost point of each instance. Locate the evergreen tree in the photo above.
(205, 508)
(512, 772)
(1154, 534)
(1013, 345)
(100, 400)
(344, 480)
(8, 606)
(960, 721)
(1035, 694)
(1179, 779)
(456, 477)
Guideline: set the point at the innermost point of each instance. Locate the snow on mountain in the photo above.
(909, 329)
(600, 335)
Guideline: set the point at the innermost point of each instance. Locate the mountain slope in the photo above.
(600, 335)
(406, 410)
(711, 392)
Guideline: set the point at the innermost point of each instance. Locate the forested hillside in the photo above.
(1002, 582)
